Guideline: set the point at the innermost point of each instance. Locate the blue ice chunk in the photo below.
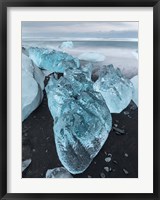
(88, 68)
(134, 81)
(66, 45)
(81, 130)
(82, 120)
(32, 86)
(115, 88)
(59, 172)
(51, 60)
(79, 78)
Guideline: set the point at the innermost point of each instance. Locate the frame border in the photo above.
(4, 4)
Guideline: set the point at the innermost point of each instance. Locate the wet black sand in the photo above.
(38, 144)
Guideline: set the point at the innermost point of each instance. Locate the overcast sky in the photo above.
(79, 30)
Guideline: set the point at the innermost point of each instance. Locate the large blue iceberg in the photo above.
(115, 88)
(52, 60)
(82, 120)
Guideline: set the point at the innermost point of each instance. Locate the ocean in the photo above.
(122, 54)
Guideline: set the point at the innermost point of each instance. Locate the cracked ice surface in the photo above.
(59, 172)
(32, 86)
(115, 89)
(134, 80)
(51, 60)
(82, 120)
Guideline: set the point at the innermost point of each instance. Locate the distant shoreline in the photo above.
(80, 40)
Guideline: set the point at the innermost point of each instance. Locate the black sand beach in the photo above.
(122, 146)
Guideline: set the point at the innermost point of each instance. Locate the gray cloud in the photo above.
(81, 30)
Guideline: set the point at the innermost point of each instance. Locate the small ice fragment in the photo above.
(25, 164)
(109, 154)
(115, 125)
(119, 130)
(133, 107)
(126, 113)
(117, 133)
(92, 57)
(59, 172)
(89, 176)
(102, 175)
(108, 159)
(126, 154)
(107, 169)
(125, 171)
(115, 162)
(66, 45)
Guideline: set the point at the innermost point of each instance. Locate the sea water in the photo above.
(122, 54)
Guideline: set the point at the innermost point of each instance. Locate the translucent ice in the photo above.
(92, 57)
(32, 86)
(67, 45)
(59, 172)
(67, 87)
(57, 92)
(25, 164)
(29, 67)
(88, 68)
(51, 60)
(82, 120)
(134, 80)
(79, 79)
(115, 88)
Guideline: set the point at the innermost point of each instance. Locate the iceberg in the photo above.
(92, 57)
(82, 120)
(52, 60)
(115, 88)
(32, 87)
(134, 81)
(59, 172)
(66, 45)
